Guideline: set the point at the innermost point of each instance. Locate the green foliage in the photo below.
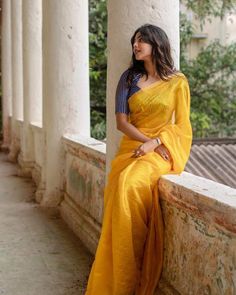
(205, 9)
(98, 66)
(186, 32)
(212, 82)
(98, 122)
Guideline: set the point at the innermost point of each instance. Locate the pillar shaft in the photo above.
(6, 71)
(124, 17)
(32, 73)
(17, 77)
(17, 69)
(65, 84)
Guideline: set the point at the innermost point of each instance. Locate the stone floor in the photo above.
(39, 255)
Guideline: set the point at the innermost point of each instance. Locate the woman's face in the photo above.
(141, 49)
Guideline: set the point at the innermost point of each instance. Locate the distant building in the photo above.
(222, 29)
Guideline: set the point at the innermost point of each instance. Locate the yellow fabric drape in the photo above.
(129, 256)
(178, 137)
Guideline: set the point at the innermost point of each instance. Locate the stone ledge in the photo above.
(208, 200)
(36, 126)
(88, 149)
(199, 235)
(20, 122)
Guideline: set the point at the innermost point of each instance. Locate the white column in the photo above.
(32, 82)
(6, 72)
(124, 17)
(65, 84)
(17, 75)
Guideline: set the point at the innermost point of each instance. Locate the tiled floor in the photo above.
(39, 255)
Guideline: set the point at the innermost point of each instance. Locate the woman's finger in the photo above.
(162, 153)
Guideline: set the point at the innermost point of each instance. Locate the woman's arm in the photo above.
(122, 111)
(128, 129)
(149, 144)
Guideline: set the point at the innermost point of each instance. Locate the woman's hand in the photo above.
(151, 146)
(145, 148)
(163, 152)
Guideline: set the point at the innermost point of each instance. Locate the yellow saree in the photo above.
(129, 256)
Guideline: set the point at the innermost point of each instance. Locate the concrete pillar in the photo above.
(32, 73)
(65, 84)
(17, 76)
(6, 72)
(124, 17)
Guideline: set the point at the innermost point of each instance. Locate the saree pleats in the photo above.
(129, 256)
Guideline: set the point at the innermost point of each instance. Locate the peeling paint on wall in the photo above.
(198, 257)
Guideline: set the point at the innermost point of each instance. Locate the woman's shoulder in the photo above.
(178, 79)
(125, 74)
(179, 76)
(123, 78)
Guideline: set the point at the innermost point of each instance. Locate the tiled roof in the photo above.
(214, 159)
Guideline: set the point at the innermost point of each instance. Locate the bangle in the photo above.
(158, 141)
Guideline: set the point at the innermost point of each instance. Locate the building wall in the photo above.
(221, 29)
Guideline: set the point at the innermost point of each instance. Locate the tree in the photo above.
(206, 9)
(212, 82)
(98, 66)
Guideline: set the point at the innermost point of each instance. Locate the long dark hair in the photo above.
(161, 53)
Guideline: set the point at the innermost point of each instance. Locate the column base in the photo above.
(52, 199)
(40, 184)
(39, 194)
(26, 167)
(5, 147)
(36, 174)
(14, 150)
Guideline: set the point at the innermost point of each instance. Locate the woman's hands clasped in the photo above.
(163, 152)
(150, 146)
(144, 148)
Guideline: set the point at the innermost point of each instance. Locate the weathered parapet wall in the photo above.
(199, 217)
(200, 235)
(84, 180)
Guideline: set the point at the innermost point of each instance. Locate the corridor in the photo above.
(39, 255)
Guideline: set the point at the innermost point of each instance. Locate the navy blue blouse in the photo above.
(123, 92)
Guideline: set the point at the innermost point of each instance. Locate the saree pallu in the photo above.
(129, 256)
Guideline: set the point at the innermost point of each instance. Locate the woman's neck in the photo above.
(151, 69)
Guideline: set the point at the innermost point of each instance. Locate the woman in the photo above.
(152, 110)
